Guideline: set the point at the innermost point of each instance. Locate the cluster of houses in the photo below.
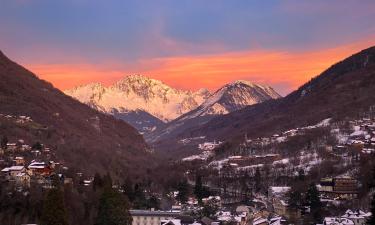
(350, 217)
(264, 210)
(22, 175)
(242, 215)
(209, 146)
(207, 149)
(18, 119)
(253, 144)
(278, 199)
(360, 141)
(336, 188)
(22, 166)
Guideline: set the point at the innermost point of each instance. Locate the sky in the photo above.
(187, 44)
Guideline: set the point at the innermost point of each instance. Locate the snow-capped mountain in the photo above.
(232, 97)
(136, 93)
(147, 103)
(229, 98)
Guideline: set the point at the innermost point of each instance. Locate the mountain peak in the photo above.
(249, 83)
(138, 92)
(232, 97)
(138, 78)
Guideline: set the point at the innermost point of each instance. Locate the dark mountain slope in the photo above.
(229, 98)
(345, 89)
(80, 136)
(143, 121)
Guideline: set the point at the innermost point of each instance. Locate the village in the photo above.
(340, 190)
(240, 188)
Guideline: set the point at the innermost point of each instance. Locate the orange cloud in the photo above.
(275, 68)
(66, 76)
(284, 70)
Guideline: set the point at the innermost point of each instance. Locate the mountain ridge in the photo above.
(229, 98)
(147, 94)
(132, 94)
(344, 89)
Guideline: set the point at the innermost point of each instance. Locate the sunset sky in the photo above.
(187, 44)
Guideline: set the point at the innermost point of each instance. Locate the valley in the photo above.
(242, 155)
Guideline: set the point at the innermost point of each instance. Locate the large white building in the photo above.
(150, 217)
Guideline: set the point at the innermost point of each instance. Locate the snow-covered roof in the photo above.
(13, 168)
(37, 165)
(259, 220)
(358, 133)
(172, 221)
(279, 190)
(337, 221)
(359, 214)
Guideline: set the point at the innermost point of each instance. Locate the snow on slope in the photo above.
(136, 92)
(232, 97)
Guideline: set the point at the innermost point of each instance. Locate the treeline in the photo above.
(101, 203)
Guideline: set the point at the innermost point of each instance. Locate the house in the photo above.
(68, 181)
(277, 191)
(260, 221)
(358, 217)
(228, 217)
(282, 208)
(11, 172)
(337, 221)
(341, 187)
(11, 146)
(350, 217)
(278, 220)
(25, 147)
(150, 217)
(326, 185)
(23, 179)
(39, 168)
(19, 161)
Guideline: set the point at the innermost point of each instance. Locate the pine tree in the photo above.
(128, 189)
(200, 191)
(54, 211)
(113, 209)
(107, 180)
(4, 142)
(198, 188)
(37, 146)
(301, 175)
(98, 182)
(371, 220)
(257, 179)
(294, 198)
(153, 202)
(313, 200)
(183, 191)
